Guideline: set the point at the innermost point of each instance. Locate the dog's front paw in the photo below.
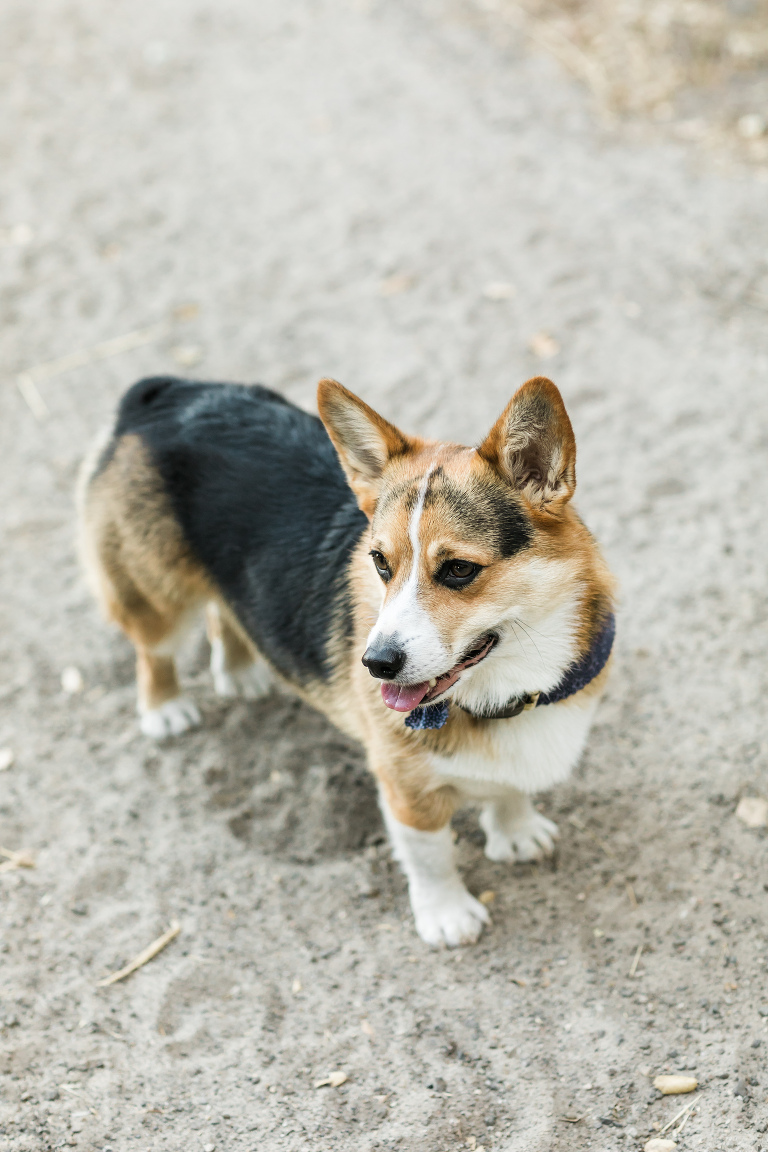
(526, 840)
(451, 916)
(170, 719)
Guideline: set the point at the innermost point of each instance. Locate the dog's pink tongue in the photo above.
(403, 697)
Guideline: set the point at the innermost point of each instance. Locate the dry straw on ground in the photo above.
(14, 860)
(144, 957)
(699, 65)
(27, 382)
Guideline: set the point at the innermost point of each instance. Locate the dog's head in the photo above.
(484, 569)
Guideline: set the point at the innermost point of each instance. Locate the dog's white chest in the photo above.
(529, 752)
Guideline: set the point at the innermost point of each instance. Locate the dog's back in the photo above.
(218, 492)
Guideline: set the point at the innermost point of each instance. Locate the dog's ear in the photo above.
(532, 446)
(364, 440)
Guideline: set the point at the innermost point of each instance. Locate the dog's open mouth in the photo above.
(404, 697)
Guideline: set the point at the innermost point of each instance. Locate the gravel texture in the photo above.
(333, 186)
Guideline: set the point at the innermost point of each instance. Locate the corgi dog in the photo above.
(443, 605)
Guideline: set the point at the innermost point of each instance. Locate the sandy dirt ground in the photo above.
(277, 192)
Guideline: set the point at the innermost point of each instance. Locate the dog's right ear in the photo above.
(532, 446)
(365, 441)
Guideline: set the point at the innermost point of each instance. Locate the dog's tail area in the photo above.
(93, 463)
(135, 401)
(143, 395)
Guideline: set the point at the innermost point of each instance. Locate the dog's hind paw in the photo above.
(448, 917)
(170, 719)
(528, 839)
(251, 681)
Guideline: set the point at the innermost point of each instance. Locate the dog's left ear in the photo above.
(365, 441)
(532, 446)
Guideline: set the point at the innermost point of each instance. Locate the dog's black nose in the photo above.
(384, 662)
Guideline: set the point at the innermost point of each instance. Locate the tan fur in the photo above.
(149, 584)
(533, 446)
(139, 565)
(399, 757)
(222, 625)
(379, 442)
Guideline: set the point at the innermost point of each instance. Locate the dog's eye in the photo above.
(457, 573)
(381, 565)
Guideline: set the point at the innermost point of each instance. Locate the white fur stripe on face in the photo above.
(404, 621)
(413, 527)
(412, 583)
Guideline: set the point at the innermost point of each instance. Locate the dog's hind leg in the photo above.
(143, 574)
(515, 831)
(238, 669)
(163, 710)
(156, 635)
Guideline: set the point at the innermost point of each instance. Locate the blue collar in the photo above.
(575, 678)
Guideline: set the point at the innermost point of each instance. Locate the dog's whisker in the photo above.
(524, 628)
(519, 641)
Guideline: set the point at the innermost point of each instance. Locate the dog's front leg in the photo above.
(445, 912)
